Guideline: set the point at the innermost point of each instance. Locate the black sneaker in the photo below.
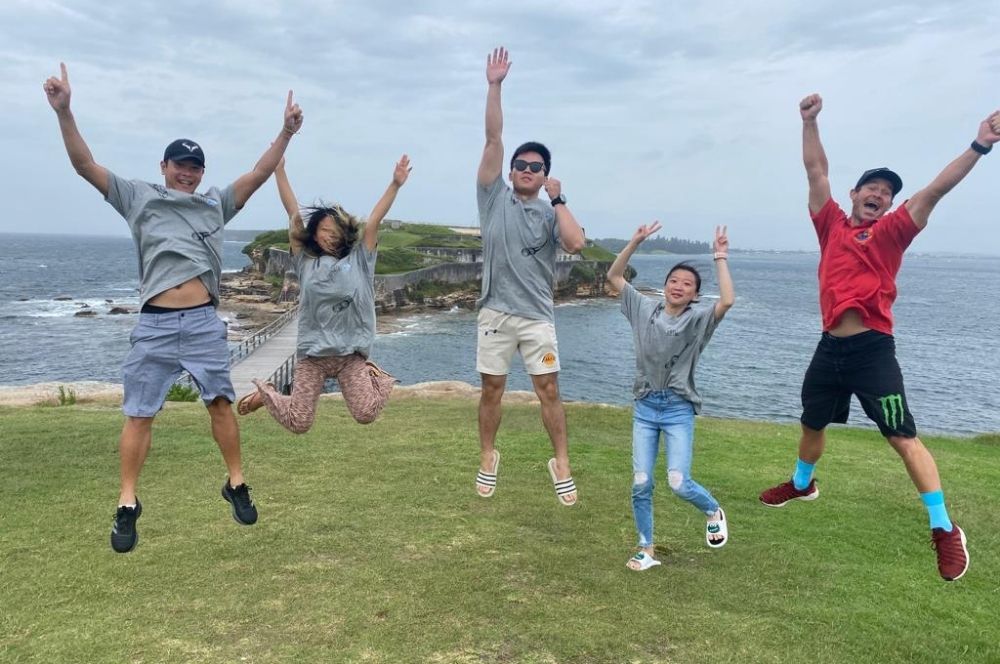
(244, 510)
(124, 536)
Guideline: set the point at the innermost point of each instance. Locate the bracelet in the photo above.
(980, 148)
(720, 256)
(288, 131)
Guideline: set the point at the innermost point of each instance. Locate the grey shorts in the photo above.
(163, 345)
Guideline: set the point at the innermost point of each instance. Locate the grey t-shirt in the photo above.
(667, 347)
(337, 303)
(178, 235)
(519, 252)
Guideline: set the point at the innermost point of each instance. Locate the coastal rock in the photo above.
(120, 310)
(85, 313)
(62, 298)
(251, 299)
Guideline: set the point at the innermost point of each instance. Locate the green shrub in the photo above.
(67, 396)
(179, 392)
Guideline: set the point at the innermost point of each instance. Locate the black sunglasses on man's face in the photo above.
(534, 166)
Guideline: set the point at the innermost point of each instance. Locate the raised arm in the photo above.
(571, 235)
(616, 273)
(727, 296)
(399, 175)
(813, 155)
(291, 205)
(497, 66)
(922, 203)
(248, 183)
(57, 91)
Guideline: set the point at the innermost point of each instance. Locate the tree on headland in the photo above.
(672, 245)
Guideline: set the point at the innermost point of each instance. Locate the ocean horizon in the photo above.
(752, 368)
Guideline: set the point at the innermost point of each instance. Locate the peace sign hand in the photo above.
(57, 90)
(645, 231)
(721, 245)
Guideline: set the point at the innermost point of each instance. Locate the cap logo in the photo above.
(191, 148)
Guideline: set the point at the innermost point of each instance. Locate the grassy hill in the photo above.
(398, 248)
(373, 547)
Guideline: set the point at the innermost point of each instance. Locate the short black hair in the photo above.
(690, 268)
(533, 146)
(349, 226)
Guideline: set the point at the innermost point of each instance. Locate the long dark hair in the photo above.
(349, 226)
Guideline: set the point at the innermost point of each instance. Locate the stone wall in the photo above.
(391, 289)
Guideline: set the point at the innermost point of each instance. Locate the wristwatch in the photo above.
(559, 200)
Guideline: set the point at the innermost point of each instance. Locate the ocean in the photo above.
(947, 339)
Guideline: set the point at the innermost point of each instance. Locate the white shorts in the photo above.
(500, 334)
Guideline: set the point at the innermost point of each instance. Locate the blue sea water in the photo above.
(947, 331)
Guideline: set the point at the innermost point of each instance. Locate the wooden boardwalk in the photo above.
(265, 359)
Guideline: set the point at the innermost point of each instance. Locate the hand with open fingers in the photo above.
(57, 90)
(721, 244)
(293, 116)
(810, 107)
(402, 171)
(553, 188)
(645, 231)
(497, 65)
(989, 130)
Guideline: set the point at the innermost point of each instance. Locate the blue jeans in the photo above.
(663, 411)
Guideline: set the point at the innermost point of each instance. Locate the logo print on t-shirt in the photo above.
(531, 251)
(863, 236)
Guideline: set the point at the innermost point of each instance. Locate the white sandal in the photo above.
(488, 480)
(645, 562)
(717, 528)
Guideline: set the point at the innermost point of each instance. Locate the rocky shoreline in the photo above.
(109, 395)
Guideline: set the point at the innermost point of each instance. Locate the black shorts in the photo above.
(865, 365)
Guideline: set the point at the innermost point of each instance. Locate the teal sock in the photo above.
(938, 513)
(803, 474)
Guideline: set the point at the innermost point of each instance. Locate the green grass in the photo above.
(373, 547)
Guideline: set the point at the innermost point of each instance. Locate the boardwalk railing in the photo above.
(283, 376)
(257, 339)
(253, 342)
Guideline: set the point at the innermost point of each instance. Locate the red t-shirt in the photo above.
(858, 264)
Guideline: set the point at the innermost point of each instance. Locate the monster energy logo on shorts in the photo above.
(892, 410)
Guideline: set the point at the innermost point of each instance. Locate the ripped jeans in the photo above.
(663, 411)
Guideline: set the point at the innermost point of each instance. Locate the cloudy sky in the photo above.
(679, 111)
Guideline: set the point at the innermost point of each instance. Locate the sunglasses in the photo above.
(533, 166)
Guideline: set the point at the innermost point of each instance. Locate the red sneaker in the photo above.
(777, 496)
(952, 554)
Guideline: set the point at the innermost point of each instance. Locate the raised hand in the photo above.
(721, 244)
(810, 107)
(57, 90)
(553, 187)
(293, 116)
(645, 231)
(497, 65)
(402, 171)
(989, 129)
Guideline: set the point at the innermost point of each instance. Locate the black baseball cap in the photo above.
(885, 174)
(184, 149)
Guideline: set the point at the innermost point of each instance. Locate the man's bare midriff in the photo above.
(849, 325)
(189, 294)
